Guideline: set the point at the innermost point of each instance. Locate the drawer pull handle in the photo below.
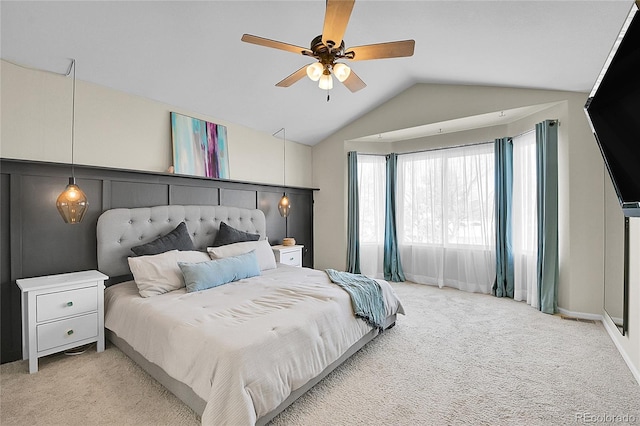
(69, 303)
(69, 332)
(291, 258)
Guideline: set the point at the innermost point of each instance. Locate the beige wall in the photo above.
(114, 129)
(580, 172)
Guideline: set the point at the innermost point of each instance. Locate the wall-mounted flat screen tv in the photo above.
(613, 109)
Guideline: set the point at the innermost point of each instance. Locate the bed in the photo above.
(238, 353)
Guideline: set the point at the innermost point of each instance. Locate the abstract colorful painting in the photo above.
(199, 147)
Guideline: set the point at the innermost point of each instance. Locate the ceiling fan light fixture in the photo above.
(341, 71)
(329, 47)
(314, 71)
(326, 82)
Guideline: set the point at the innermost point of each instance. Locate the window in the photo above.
(446, 216)
(524, 222)
(371, 197)
(447, 196)
(371, 190)
(445, 210)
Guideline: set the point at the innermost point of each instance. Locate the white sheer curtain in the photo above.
(445, 212)
(371, 193)
(524, 222)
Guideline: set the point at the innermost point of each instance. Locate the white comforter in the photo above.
(245, 346)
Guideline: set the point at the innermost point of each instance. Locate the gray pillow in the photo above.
(229, 235)
(178, 239)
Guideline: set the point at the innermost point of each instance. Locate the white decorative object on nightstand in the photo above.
(289, 255)
(60, 312)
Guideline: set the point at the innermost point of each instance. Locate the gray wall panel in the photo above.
(268, 203)
(49, 245)
(246, 199)
(297, 224)
(5, 259)
(194, 195)
(9, 292)
(137, 194)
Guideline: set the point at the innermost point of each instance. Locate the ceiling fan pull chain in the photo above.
(328, 96)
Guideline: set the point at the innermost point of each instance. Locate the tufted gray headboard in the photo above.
(120, 229)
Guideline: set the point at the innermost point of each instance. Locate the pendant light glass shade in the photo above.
(341, 71)
(284, 206)
(314, 71)
(72, 203)
(326, 82)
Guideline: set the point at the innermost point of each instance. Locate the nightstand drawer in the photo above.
(67, 331)
(293, 257)
(66, 303)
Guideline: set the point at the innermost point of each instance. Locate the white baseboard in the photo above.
(580, 315)
(614, 333)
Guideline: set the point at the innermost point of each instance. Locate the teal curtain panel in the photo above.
(547, 194)
(353, 219)
(504, 283)
(392, 266)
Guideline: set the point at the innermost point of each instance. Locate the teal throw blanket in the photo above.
(366, 296)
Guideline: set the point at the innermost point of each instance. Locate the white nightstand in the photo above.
(289, 255)
(60, 312)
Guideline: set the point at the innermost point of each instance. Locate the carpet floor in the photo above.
(455, 359)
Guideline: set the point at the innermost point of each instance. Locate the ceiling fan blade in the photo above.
(392, 49)
(293, 78)
(353, 82)
(336, 19)
(261, 41)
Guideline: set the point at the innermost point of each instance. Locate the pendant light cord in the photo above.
(284, 153)
(73, 115)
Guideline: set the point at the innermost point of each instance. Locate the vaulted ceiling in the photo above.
(189, 54)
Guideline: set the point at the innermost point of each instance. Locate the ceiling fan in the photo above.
(328, 48)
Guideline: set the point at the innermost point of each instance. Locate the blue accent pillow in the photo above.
(229, 235)
(213, 273)
(178, 239)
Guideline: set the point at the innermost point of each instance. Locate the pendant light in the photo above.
(72, 202)
(284, 206)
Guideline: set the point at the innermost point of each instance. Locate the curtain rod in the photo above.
(457, 146)
(524, 133)
(432, 149)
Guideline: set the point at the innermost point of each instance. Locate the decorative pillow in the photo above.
(160, 273)
(213, 273)
(178, 239)
(266, 259)
(229, 235)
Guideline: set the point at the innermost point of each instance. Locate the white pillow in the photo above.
(160, 273)
(266, 259)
